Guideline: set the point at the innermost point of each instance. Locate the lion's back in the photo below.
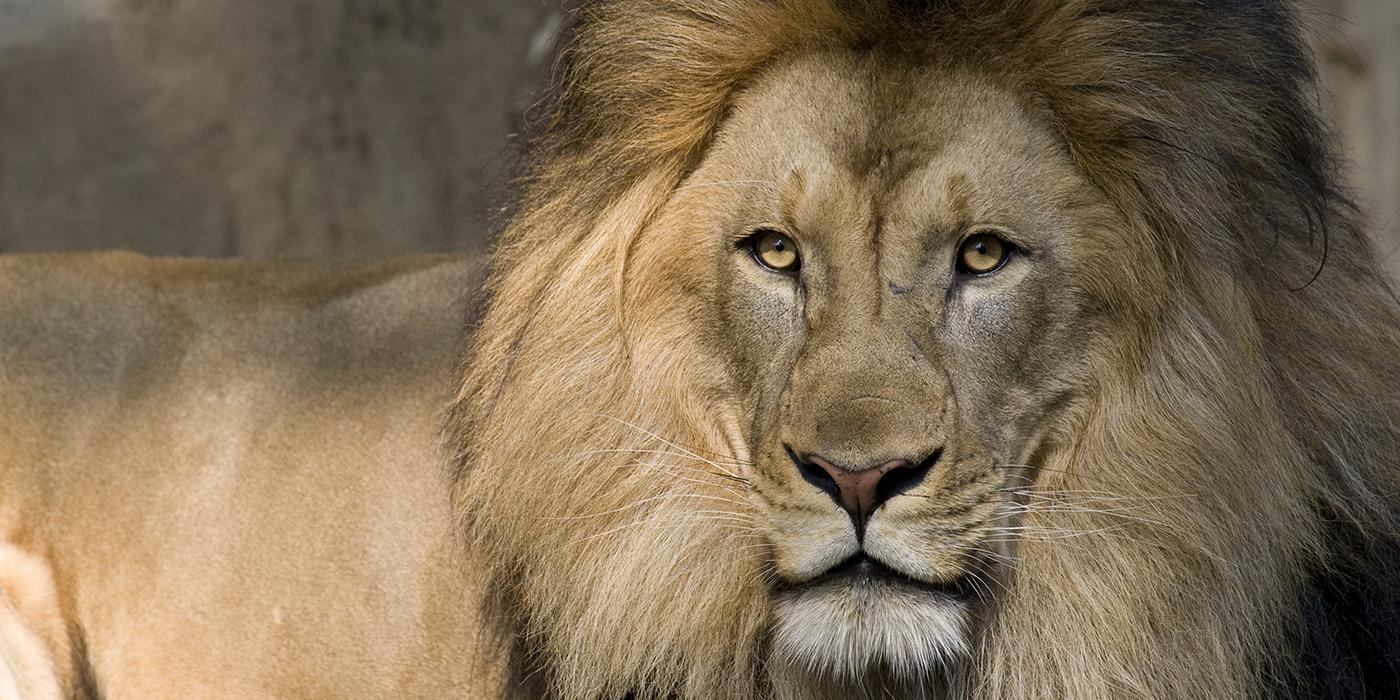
(240, 458)
(98, 317)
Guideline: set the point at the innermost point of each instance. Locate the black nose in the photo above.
(863, 490)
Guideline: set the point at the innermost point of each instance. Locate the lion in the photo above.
(947, 349)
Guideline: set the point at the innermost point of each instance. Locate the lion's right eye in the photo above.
(983, 254)
(774, 250)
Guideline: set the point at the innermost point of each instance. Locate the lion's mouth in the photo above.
(863, 570)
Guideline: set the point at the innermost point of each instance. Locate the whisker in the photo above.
(669, 453)
(1096, 495)
(980, 581)
(1086, 477)
(686, 457)
(728, 487)
(635, 504)
(648, 523)
(1034, 468)
(725, 481)
(691, 451)
(1018, 509)
(1061, 536)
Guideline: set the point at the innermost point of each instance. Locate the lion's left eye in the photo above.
(983, 253)
(775, 250)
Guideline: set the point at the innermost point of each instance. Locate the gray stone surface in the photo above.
(265, 127)
(29, 20)
(1357, 43)
(360, 127)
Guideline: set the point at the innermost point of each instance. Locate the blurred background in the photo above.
(370, 127)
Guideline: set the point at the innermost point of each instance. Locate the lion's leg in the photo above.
(33, 645)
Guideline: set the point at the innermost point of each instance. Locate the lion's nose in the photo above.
(862, 491)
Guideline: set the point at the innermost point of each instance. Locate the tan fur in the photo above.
(229, 471)
(32, 639)
(1233, 402)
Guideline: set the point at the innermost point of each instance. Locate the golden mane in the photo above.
(1255, 406)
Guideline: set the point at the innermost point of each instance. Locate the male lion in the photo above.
(956, 348)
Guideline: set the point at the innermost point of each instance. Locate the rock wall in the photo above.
(362, 127)
(264, 127)
(1357, 43)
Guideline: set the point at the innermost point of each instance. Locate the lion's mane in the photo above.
(1253, 409)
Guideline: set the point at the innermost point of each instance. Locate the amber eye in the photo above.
(774, 250)
(983, 253)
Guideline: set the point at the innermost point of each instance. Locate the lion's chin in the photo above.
(848, 626)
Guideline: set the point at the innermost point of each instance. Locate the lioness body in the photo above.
(231, 471)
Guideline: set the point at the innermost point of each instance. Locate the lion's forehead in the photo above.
(843, 147)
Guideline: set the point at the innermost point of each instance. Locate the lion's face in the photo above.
(973, 349)
(897, 277)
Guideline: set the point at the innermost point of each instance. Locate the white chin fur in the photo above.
(847, 630)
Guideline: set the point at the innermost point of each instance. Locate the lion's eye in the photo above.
(983, 253)
(775, 251)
